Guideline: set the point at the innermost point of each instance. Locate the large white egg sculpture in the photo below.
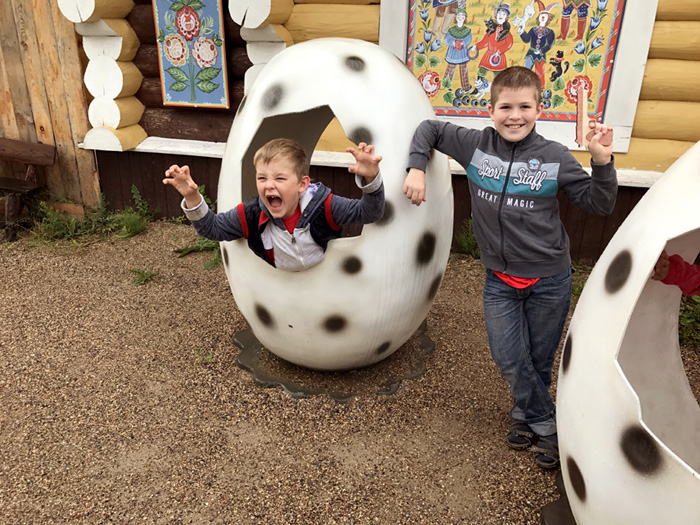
(371, 292)
(628, 423)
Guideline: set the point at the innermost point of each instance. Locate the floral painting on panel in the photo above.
(457, 47)
(191, 53)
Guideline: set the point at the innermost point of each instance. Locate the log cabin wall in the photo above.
(43, 100)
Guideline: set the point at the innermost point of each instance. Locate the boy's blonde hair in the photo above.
(516, 77)
(286, 149)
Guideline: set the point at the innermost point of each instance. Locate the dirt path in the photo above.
(124, 403)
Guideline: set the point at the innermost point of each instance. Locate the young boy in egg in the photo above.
(514, 177)
(291, 220)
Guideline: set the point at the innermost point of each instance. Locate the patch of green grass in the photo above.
(53, 225)
(203, 245)
(465, 242)
(141, 277)
(201, 357)
(689, 321)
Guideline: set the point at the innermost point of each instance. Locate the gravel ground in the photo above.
(124, 403)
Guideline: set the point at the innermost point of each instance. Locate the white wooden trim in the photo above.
(198, 148)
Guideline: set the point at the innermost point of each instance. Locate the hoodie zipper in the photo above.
(501, 230)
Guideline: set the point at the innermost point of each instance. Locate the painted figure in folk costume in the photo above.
(540, 38)
(581, 7)
(445, 11)
(457, 40)
(497, 41)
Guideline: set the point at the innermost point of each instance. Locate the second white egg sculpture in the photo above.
(371, 292)
(628, 423)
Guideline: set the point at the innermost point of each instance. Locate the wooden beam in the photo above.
(310, 21)
(92, 10)
(253, 14)
(108, 139)
(193, 124)
(146, 59)
(27, 152)
(644, 154)
(684, 87)
(680, 10)
(105, 76)
(664, 119)
(675, 40)
(121, 45)
(115, 113)
(141, 20)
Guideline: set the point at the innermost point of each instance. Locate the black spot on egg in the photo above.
(576, 479)
(388, 214)
(383, 348)
(426, 248)
(566, 354)
(272, 97)
(335, 323)
(618, 272)
(264, 316)
(434, 287)
(361, 134)
(224, 255)
(355, 63)
(352, 265)
(640, 450)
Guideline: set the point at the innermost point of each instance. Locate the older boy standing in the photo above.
(514, 176)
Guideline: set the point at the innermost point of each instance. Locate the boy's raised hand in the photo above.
(414, 186)
(600, 143)
(661, 268)
(180, 179)
(366, 162)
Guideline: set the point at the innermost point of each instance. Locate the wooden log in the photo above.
(269, 33)
(141, 20)
(232, 31)
(146, 59)
(676, 10)
(92, 10)
(8, 123)
(121, 45)
(105, 76)
(310, 21)
(27, 152)
(262, 52)
(151, 94)
(115, 113)
(238, 62)
(672, 120)
(108, 139)
(675, 40)
(658, 86)
(253, 14)
(193, 124)
(644, 154)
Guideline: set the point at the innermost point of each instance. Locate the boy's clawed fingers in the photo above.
(600, 132)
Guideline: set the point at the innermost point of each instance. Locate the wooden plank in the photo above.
(665, 119)
(146, 59)
(141, 21)
(32, 68)
(75, 95)
(27, 152)
(676, 40)
(677, 10)
(309, 21)
(684, 87)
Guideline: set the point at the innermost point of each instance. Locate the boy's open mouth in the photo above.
(274, 201)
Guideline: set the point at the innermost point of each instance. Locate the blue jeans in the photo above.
(524, 329)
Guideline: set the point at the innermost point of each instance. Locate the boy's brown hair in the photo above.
(516, 77)
(286, 149)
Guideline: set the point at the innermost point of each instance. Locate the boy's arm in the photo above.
(452, 140)
(368, 209)
(216, 227)
(366, 162)
(180, 179)
(595, 193)
(684, 275)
